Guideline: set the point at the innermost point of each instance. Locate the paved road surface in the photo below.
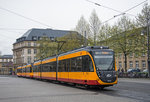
(14, 89)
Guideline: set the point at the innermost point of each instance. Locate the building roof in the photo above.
(37, 33)
(6, 57)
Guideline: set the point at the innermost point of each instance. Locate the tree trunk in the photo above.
(125, 58)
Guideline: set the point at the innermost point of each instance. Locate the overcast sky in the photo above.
(58, 14)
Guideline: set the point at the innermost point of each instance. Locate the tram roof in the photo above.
(88, 48)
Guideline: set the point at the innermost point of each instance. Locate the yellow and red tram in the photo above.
(87, 66)
(19, 71)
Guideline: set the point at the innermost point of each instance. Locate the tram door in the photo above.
(68, 68)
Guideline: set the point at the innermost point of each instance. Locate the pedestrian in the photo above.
(122, 70)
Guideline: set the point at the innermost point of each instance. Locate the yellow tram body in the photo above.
(79, 77)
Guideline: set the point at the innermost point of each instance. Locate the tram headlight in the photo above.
(99, 74)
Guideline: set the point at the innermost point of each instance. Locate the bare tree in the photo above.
(83, 27)
(94, 25)
(104, 34)
(143, 16)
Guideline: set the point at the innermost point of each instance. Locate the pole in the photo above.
(85, 40)
(148, 47)
(94, 39)
(148, 51)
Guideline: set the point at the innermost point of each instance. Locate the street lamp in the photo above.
(148, 47)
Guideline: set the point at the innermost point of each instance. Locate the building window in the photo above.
(29, 43)
(34, 43)
(136, 55)
(52, 38)
(34, 38)
(35, 51)
(136, 64)
(39, 38)
(29, 59)
(22, 59)
(143, 64)
(29, 51)
(143, 54)
(131, 54)
(131, 64)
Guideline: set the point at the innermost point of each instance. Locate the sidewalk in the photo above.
(8, 75)
(137, 80)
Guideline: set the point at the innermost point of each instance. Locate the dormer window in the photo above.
(39, 38)
(52, 38)
(34, 38)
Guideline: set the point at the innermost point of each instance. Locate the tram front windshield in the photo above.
(104, 62)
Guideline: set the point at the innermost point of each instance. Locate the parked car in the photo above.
(145, 70)
(133, 70)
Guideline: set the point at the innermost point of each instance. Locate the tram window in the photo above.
(87, 64)
(33, 68)
(68, 68)
(18, 70)
(27, 69)
(36, 69)
(50, 67)
(91, 66)
(39, 68)
(63, 66)
(59, 67)
(23, 70)
(54, 66)
(30, 69)
(73, 64)
(79, 64)
(44, 68)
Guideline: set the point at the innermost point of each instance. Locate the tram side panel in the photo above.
(77, 69)
(49, 71)
(36, 71)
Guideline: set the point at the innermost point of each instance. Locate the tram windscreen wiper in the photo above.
(110, 67)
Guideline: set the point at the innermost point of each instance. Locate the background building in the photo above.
(6, 64)
(133, 61)
(25, 47)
